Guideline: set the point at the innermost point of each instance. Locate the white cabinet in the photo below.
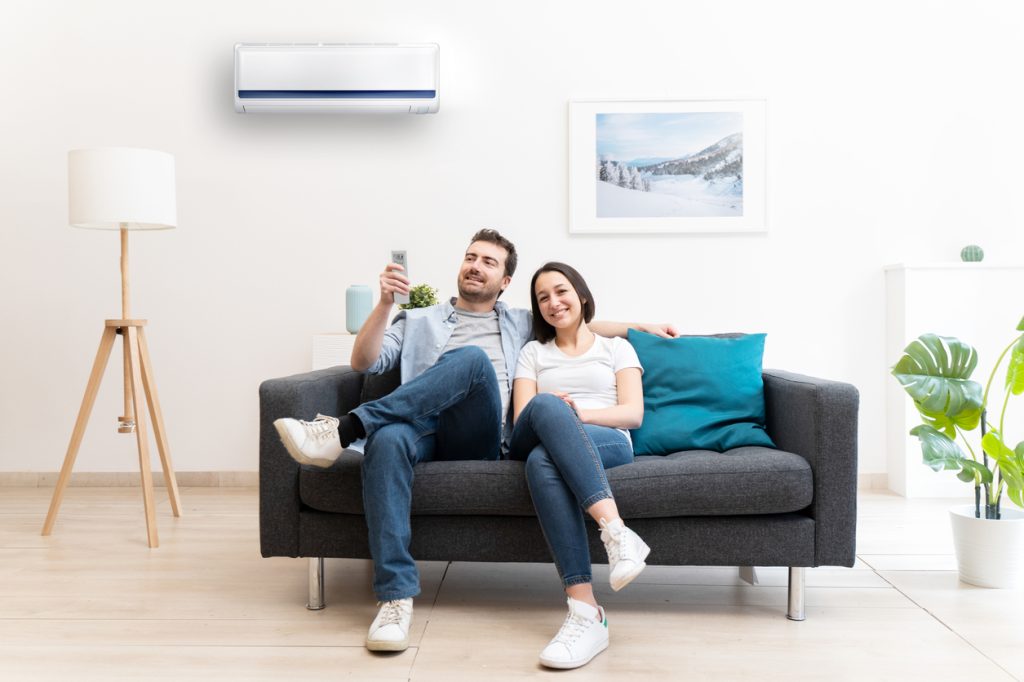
(331, 350)
(975, 302)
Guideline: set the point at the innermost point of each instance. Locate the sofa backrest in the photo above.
(379, 385)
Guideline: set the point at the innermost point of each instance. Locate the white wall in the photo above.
(894, 134)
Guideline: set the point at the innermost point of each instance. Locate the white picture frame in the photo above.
(655, 148)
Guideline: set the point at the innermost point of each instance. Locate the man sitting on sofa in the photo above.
(457, 360)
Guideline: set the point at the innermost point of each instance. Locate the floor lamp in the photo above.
(123, 189)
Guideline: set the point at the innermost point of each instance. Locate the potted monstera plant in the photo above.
(955, 410)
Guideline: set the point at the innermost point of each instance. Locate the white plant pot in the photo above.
(990, 553)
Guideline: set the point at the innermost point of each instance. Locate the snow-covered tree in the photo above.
(613, 173)
(624, 177)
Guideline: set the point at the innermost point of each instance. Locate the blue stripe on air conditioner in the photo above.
(337, 94)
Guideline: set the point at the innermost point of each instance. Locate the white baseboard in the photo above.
(123, 479)
(872, 481)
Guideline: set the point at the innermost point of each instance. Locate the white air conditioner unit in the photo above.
(337, 78)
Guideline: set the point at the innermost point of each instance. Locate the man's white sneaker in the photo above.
(314, 442)
(626, 552)
(390, 629)
(583, 635)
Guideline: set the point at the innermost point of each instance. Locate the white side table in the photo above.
(331, 350)
(965, 300)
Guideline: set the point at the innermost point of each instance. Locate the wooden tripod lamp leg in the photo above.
(132, 335)
(126, 423)
(157, 418)
(99, 365)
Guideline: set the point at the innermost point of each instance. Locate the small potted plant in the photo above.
(420, 296)
(936, 373)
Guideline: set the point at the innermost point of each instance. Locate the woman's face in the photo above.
(558, 301)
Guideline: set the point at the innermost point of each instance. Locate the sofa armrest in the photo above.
(817, 419)
(332, 391)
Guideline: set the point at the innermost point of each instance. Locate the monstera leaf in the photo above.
(1009, 461)
(935, 371)
(939, 450)
(1015, 370)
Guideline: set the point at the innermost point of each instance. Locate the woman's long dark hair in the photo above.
(543, 331)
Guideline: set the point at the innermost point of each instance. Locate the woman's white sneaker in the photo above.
(626, 552)
(390, 629)
(314, 442)
(583, 635)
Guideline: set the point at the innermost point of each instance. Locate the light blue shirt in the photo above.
(417, 337)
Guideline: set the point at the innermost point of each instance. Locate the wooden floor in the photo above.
(92, 602)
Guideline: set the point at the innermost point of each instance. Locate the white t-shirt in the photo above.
(588, 378)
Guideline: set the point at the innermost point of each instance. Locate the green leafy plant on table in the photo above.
(420, 296)
(936, 372)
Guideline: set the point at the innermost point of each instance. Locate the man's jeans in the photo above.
(565, 463)
(450, 411)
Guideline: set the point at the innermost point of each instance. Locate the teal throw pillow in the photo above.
(700, 393)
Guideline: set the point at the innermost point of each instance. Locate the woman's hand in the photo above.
(567, 399)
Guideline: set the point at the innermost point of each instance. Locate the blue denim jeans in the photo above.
(565, 463)
(450, 411)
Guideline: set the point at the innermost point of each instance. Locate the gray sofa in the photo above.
(794, 506)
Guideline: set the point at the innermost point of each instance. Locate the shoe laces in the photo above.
(614, 549)
(321, 428)
(391, 613)
(574, 626)
(614, 542)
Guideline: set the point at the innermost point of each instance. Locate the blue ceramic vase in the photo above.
(358, 301)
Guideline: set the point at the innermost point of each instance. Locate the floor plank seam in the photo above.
(941, 622)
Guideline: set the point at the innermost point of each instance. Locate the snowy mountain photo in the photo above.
(679, 165)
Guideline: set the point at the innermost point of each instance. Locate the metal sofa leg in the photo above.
(316, 584)
(748, 574)
(796, 593)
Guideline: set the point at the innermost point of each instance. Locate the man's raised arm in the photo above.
(605, 328)
(370, 338)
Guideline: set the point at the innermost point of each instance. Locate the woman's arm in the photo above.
(523, 391)
(629, 413)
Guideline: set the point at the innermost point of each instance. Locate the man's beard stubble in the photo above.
(480, 296)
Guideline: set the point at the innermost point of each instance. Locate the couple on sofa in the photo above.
(573, 394)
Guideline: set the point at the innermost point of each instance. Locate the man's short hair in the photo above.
(494, 237)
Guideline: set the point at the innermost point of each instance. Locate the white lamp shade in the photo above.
(111, 188)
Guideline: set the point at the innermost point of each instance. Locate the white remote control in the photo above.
(399, 258)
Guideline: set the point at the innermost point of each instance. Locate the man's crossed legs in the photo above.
(451, 411)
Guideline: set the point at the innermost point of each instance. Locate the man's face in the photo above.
(482, 275)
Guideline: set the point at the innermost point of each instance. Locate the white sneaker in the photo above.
(390, 629)
(583, 635)
(626, 552)
(314, 442)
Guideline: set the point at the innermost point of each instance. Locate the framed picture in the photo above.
(667, 166)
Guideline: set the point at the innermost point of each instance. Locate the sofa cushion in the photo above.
(749, 480)
(700, 393)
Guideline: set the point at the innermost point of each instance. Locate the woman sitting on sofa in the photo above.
(574, 396)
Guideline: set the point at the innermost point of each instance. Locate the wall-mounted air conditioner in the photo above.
(337, 78)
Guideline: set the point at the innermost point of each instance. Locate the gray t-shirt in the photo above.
(481, 329)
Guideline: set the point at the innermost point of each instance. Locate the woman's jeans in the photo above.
(565, 463)
(451, 411)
